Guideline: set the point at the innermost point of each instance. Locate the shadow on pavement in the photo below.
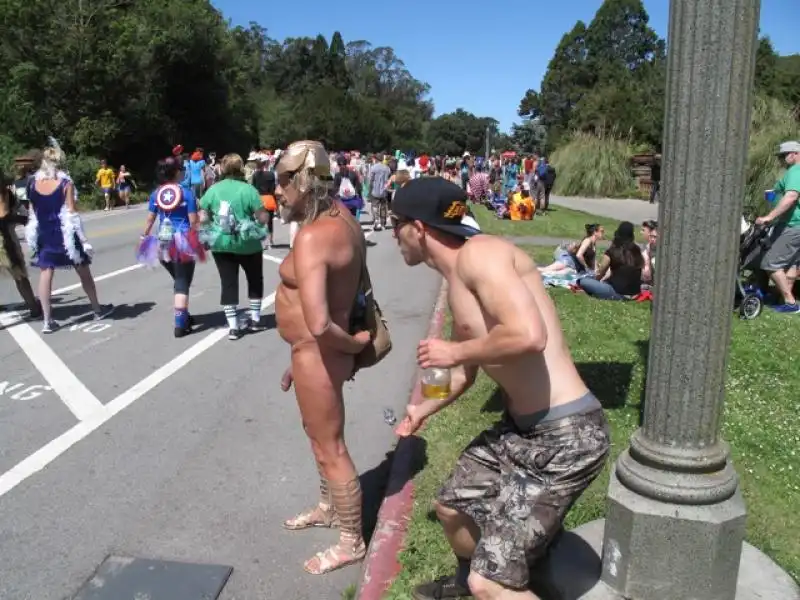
(375, 483)
(216, 320)
(67, 312)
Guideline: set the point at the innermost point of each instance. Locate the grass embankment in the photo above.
(609, 343)
(559, 223)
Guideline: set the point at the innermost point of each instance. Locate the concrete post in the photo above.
(676, 520)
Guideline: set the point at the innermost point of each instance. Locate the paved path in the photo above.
(122, 439)
(635, 211)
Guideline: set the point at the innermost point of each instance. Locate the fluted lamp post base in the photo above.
(674, 552)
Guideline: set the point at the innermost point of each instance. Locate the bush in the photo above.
(9, 150)
(594, 166)
(83, 169)
(772, 123)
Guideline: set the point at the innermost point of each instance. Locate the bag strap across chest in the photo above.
(364, 283)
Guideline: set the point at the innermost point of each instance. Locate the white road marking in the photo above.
(80, 401)
(75, 286)
(274, 259)
(51, 451)
(73, 322)
(55, 448)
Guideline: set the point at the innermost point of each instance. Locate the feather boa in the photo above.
(32, 233)
(70, 229)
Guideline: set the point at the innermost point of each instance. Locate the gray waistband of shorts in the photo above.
(585, 404)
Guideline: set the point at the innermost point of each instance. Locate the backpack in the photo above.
(346, 189)
(550, 175)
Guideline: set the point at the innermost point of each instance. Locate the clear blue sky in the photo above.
(444, 44)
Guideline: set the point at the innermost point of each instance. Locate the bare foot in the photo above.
(319, 516)
(335, 557)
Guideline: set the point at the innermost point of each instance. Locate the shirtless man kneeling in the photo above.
(512, 486)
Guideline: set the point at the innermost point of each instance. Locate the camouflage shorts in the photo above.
(518, 486)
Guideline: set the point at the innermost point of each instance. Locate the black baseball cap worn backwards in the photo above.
(438, 203)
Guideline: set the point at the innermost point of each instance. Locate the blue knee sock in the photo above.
(181, 318)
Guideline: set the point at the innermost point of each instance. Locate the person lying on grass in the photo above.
(511, 488)
(577, 256)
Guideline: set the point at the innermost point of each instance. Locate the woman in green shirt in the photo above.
(233, 214)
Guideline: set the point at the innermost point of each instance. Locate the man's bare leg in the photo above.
(781, 281)
(321, 515)
(319, 396)
(462, 534)
(461, 531)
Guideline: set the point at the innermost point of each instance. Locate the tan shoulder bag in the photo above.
(370, 318)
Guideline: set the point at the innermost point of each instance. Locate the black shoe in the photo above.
(182, 331)
(444, 588)
(235, 334)
(36, 312)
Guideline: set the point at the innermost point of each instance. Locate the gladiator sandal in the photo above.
(351, 547)
(321, 515)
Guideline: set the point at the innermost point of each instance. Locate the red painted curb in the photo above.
(381, 566)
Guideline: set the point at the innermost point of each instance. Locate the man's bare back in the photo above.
(536, 380)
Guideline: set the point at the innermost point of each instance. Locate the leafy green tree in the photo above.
(458, 132)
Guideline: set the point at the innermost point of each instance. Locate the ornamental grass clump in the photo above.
(595, 166)
(772, 123)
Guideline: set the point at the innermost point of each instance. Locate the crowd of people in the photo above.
(511, 488)
(326, 311)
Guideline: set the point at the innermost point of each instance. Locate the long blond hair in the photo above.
(53, 159)
(308, 165)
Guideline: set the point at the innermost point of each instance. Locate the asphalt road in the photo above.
(116, 438)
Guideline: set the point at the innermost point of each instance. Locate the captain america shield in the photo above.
(169, 196)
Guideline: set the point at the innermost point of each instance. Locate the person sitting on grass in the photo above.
(619, 274)
(577, 256)
(499, 520)
(521, 207)
(650, 233)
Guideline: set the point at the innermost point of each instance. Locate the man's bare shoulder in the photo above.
(481, 249)
(327, 238)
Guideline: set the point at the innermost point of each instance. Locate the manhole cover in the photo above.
(128, 578)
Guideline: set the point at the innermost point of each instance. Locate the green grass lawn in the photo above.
(559, 223)
(608, 341)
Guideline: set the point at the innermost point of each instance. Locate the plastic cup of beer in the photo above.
(435, 384)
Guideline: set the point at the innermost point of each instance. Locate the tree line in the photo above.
(609, 78)
(127, 80)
